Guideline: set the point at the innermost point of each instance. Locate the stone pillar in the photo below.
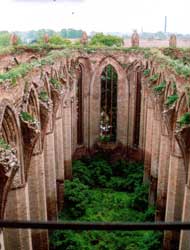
(67, 134)
(148, 143)
(173, 41)
(1, 241)
(18, 239)
(84, 38)
(175, 195)
(50, 176)
(37, 199)
(143, 121)
(59, 161)
(135, 39)
(163, 170)
(132, 105)
(185, 235)
(155, 159)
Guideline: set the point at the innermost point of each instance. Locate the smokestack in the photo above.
(165, 25)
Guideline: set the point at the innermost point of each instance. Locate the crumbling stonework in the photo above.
(38, 119)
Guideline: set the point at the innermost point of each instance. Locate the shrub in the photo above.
(58, 40)
(76, 197)
(106, 40)
(139, 199)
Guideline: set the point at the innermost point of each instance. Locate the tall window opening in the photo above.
(79, 108)
(137, 111)
(108, 116)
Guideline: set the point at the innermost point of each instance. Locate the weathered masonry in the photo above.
(57, 105)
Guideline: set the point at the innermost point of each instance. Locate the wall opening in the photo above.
(108, 113)
(137, 116)
(80, 138)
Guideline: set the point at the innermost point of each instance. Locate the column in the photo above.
(148, 143)
(50, 176)
(67, 140)
(175, 195)
(37, 199)
(185, 235)
(18, 238)
(163, 170)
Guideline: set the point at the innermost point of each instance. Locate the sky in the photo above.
(95, 15)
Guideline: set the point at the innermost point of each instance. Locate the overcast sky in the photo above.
(95, 15)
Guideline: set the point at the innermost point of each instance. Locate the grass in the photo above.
(171, 99)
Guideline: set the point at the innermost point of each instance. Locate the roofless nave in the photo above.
(53, 108)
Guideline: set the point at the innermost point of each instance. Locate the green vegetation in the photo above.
(184, 119)
(105, 191)
(22, 69)
(105, 138)
(153, 78)
(55, 83)
(159, 88)
(106, 40)
(25, 116)
(4, 39)
(4, 145)
(43, 96)
(171, 100)
(146, 72)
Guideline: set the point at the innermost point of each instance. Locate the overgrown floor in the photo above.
(103, 191)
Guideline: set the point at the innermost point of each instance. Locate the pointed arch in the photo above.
(122, 100)
(108, 110)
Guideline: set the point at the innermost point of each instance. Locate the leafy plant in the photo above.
(184, 119)
(43, 96)
(171, 100)
(146, 72)
(76, 197)
(159, 88)
(92, 203)
(4, 145)
(25, 116)
(139, 199)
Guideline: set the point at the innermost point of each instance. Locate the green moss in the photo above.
(153, 78)
(4, 145)
(146, 72)
(25, 116)
(184, 119)
(171, 100)
(43, 96)
(159, 88)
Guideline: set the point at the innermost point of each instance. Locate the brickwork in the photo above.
(45, 146)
